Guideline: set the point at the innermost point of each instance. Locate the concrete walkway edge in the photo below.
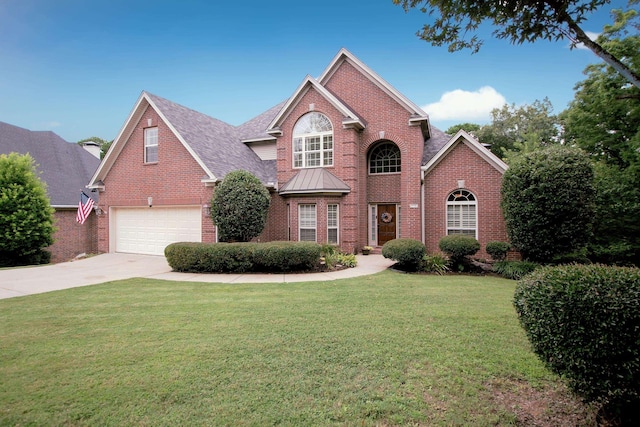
(103, 268)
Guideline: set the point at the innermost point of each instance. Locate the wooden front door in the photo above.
(387, 220)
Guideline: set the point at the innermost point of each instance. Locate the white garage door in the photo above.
(150, 230)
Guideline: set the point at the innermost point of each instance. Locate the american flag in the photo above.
(84, 208)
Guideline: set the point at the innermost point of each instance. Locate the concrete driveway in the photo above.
(89, 271)
(108, 267)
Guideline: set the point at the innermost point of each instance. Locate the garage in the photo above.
(149, 230)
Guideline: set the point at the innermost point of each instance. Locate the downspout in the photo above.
(422, 217)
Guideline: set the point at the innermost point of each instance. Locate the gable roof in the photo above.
(65, 167)
(214, 144)
(463, 137)
(312, 181)
(350, 118)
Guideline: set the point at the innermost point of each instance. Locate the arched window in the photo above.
(384, 158)
(313, 141)
(462, 213)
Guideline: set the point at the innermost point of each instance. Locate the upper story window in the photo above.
(385, 158)
(151, 145)
(313, 141)
(462, 215)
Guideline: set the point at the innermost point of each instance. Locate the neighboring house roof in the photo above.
(315, 180)
(463, 137)
(65, 167)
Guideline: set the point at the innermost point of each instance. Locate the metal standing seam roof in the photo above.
(315, 180)
(65, 167)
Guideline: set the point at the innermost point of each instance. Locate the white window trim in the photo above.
(373, 225)
(473, 203)
(322, 151)
(315, 219)
(147, 139)
(337, 226)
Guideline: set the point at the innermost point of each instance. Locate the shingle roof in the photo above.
(216, 143)
(434, 144)
(65, 167)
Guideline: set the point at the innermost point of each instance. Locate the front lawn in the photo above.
(388, 349)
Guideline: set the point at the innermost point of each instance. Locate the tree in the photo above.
(603, 120)
(239, 207)
(518, 128)
(470, 128)
(547, 201)
(518, 21)
(26, 216)
(103, 143)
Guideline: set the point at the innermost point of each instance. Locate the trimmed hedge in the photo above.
(584, 323)
(409, 253)
(242, 257)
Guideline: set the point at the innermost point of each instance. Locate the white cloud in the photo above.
(464, 106)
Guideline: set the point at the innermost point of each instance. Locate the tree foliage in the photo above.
(603, 120)
(520, 129)
(239, 207)
(103, 143)
(547, 201)
(470, 128)
(26, 216)
(518, 21)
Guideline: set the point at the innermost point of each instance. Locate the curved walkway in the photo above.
(102, 268)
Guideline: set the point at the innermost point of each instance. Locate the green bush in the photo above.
(548, 202)
(242, 257)
(239, 207)
(285, 256)
(26, 216)
(458, 247)
(407, 252)
(514, 270)
(498, 250)
(348, 260)
(435, 264)
(584, 323)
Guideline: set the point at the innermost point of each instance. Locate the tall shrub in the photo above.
(239, 207)
(548, 202)
(26, 216)
(583, 322)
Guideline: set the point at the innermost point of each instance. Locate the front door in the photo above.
(387, 220)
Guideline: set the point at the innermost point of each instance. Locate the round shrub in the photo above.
(458, 246)
(407, 252)
(583, 321)
(498, 250)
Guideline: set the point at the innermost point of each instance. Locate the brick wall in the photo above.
(386, 120)
(484, 181)
(72, 239)
(174, 180)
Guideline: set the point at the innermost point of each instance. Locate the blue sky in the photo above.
(76, 67)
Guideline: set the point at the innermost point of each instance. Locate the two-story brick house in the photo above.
(347, 158)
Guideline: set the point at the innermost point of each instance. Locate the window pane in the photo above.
(313, 140)
(385, 158)
(307, 221)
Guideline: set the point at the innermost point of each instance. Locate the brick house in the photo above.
(347, 158)
(66, 169)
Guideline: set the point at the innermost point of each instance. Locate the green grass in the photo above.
(388, 349)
